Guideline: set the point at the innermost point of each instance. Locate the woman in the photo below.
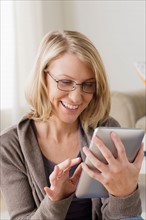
(41, 156)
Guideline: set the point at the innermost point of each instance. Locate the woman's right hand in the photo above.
(61, 185)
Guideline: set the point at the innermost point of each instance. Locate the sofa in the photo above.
(129, 108)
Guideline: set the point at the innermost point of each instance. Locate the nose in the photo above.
(76, 95)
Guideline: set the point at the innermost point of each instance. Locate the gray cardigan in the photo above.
(23, 180)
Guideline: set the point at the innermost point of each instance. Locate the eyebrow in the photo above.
(64, 75)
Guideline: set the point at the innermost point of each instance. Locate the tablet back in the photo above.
(131, 138)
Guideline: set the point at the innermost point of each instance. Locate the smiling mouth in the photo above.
(69, 106)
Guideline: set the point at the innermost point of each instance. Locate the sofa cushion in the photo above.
(141, 123)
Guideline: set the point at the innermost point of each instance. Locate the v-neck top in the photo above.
(79, 208)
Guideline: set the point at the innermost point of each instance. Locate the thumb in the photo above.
(48, 192)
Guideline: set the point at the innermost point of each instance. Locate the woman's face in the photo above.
(68, 105)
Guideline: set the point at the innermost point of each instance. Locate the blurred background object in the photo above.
(140, 67)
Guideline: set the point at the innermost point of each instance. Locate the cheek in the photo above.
(54, 94)
(88, 100)
(51, 90)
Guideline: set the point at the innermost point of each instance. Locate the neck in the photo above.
(56, 129)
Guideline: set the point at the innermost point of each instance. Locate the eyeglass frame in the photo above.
(74, 85)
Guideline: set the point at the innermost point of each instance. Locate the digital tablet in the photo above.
(131, 138)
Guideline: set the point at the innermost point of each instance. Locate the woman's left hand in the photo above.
(119, 176)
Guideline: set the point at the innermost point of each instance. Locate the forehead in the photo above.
(70, 65)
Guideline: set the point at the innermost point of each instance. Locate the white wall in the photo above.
(117, 28)
(33, 20)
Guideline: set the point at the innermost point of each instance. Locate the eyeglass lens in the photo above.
(68, 85)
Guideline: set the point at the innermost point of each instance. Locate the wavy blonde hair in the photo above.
(52, 46)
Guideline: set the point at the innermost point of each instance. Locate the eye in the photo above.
(66, 82)
(89, 84)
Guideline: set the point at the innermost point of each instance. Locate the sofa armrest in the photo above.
(128, 107)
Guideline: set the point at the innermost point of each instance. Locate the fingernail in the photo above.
(113, 134)
(85, 148)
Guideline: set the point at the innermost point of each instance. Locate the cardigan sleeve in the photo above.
(122, 207)
(18, 192)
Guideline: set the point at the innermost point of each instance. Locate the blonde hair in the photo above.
(52, 46)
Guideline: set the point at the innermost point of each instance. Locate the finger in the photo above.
(94, 160)
(104, 150)
(62, 169)
(75, 161)
(139, 158)
(67, 164)
(119, 146)
(76, 174)
(55, 174)
(95, 175)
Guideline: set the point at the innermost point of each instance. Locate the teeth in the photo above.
(70, 106)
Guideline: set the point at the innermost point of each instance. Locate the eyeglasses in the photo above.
(70, 85)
